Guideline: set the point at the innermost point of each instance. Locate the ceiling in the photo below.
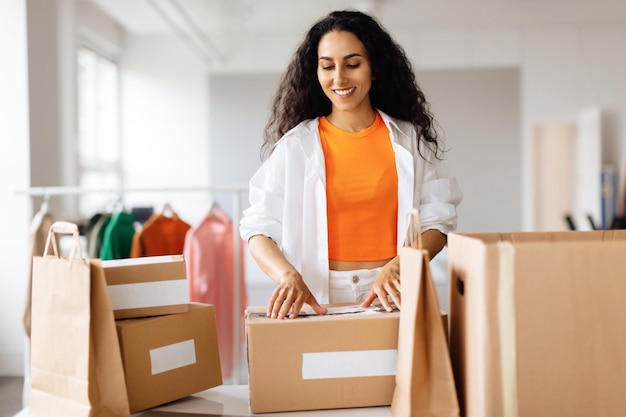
(211, 25)
(145, 17)
(149, 17)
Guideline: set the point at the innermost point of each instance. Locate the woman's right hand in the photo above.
(288, 298)
(291, 292)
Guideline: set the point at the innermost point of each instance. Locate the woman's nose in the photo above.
(340, 75)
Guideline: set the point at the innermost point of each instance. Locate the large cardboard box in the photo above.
(148, 286)
(169, 357)
(538, 324)
(346, 358)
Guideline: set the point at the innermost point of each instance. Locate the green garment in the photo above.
(118, 237)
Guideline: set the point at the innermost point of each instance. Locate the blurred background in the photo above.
(151, 103)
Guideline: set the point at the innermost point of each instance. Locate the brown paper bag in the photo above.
(76, 366)
(424, 379)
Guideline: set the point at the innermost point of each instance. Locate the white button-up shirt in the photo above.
(288, 197)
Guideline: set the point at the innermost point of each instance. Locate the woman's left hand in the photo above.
(387, 284)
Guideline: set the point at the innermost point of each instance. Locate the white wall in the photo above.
(240, 107)
(479, 113)
(165, 125)
(51, 72)
(15, 210)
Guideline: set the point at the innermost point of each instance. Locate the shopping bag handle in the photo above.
(67, 229)
(414, 234)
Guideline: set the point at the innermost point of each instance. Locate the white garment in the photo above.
(288, 197)
(351, 286)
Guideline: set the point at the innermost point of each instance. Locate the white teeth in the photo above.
(345, 92)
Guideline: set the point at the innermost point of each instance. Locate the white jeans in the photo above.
(351, 286)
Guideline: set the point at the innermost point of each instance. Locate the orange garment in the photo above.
(160, 235)
(210, 261)
(361, 192)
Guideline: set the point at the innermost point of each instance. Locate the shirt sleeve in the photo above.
(440, 196)
(266, 195)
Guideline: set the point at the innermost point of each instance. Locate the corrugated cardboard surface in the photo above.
(277, 351)
(163, 281)
(565, 310)
(169, 357)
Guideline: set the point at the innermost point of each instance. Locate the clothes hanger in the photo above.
(168, 210)
(569, 219)
(215, 206)
(119, 205)
(592, 223)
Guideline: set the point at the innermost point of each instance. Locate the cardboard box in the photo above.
(148, 286)
(344, 359)
(169, 357)
(537, 323)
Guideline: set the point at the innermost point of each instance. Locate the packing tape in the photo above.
(507, 327)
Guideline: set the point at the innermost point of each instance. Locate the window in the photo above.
(99, 155)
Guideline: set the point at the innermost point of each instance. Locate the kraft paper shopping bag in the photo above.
(76, 365)
(424, 379)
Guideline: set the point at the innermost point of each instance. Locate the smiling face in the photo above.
(344, 72)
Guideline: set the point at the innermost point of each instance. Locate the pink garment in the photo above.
(209, 258)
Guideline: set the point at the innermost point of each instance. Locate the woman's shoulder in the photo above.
(303, 129)
(300, 142)
(303, 133)
(402, 126)
(406, 136)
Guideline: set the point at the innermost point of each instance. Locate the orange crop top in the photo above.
(361, 192)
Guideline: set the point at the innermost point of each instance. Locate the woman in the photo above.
(349, 149)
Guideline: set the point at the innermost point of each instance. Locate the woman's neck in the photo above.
(352, 121)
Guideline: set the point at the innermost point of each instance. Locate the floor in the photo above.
(10, 395)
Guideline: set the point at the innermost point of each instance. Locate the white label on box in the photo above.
(174, 356)
(349, 364)
(144, 260)
(148, 294)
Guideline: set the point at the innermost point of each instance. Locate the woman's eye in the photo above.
(327, 68)
(352, 66)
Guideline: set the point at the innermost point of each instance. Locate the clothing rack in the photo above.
(235, 190)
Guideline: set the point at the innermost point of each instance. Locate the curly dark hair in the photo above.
(394, 89)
